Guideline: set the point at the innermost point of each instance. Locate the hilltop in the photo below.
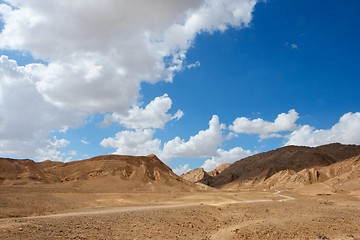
(199, 175)
(106, 173)
(290, 167)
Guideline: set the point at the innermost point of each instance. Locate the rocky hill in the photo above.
(102, 173)
(199, 175)
(341, 176)
(290, 166)
(219, 169)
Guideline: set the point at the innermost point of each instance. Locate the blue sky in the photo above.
(201, 84)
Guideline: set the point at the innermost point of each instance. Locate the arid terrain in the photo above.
(289, 193)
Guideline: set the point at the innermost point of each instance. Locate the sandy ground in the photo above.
(55, 213)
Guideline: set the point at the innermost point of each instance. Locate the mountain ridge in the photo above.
(255, 170)
(105, 173)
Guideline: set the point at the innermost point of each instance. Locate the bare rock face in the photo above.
(199, 175)
(219, 169)
(102, 173)
(290, 166)
(342, 175)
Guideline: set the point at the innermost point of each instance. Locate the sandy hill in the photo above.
(102, 173)
(285, 166)
(199, 175)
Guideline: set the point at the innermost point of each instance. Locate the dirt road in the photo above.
(104, 211)
(229, 215)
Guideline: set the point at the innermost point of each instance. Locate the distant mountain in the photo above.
(102, 173)
(334, 165)
(273, 168)
(341, 176)
(199, 175)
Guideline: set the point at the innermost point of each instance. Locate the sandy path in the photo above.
(123, 209)
(243, 215)
(104, 211)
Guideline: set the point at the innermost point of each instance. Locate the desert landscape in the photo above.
(289, 193)
(187, 119)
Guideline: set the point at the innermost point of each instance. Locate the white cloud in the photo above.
(142, 142)
(283, 122)
(193, 65)
(25, 118)
(95, 58)
(294, 46)
(181, 169)
(345, 131)
(84, 141)
(154, 115)
(64, 129)
(100, 54)
(179, 114)
(138, 143)
(203, 144)
(223, 156)
(59, 143)
(51, 151)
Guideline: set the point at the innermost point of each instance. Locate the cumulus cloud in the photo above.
(25, 117)
(345, 131)
(203, 144)
(181, 169)
(99, 52)
(154, 115)
(283, 122)
(95, 58)
(138, 142)
(223, 156)
(142, 142)
(52, 152)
